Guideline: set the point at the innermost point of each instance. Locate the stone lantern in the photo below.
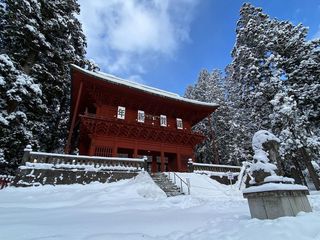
(269, 195)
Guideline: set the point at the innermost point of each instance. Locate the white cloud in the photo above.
(123, 35)
(136, 78)
(317, 34)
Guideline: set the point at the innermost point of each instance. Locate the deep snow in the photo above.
(138, 209)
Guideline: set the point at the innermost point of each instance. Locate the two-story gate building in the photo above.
(114, 117)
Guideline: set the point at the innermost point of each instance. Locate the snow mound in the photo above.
(137, 209)
(146, 188)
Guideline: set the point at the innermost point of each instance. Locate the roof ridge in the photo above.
(136, 83)
(142, 87)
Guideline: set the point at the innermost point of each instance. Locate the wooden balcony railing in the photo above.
(105, 126)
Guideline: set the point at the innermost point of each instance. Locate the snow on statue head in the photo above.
(265, 146)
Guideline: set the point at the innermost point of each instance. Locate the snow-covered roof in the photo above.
(116, 80)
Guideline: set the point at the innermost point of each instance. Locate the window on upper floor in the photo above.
(141, 116)
(121, 112)
(163, 120)
(179, 123)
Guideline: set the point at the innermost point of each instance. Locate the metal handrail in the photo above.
(187, 182)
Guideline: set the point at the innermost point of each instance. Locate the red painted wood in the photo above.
(102, 133)
(67, 148)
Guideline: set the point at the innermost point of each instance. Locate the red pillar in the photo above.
(92, 148)
(154, 163)
(178, 162)
(114, 151)
(73, 121)
(135, 152)
(162, 162)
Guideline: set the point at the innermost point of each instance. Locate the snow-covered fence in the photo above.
(212, 167)
(5, 180)
(54, 160)
(224, 174)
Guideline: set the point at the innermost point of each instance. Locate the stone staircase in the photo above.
(166, 185)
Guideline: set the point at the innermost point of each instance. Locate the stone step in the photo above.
(166, 185)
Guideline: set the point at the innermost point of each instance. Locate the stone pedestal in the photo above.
(277, 203)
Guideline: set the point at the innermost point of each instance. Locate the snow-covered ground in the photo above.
(138, 209)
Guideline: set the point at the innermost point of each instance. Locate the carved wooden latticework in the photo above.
(100, 126)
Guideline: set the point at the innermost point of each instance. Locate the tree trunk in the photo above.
(299, 171)
(314, 176)
(213, 142)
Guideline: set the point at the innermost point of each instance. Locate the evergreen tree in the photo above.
(255, 67)
(296, 108)
(42, 38)
(20, 98)
(237, 139)
(219, 122)
(210, 88)
(199, 92)
(276, 71)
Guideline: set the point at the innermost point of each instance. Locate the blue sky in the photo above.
(165, 43)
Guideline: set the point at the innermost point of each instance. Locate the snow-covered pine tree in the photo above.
(273, 63)
(296, 108)
(2, 23)
(255, 66)
(220, 118)
(258, 69)
(237, 123)
(43, 38)
(201, 88)
(19, 101)
(210, 88)
(243, 76)
(199, 92)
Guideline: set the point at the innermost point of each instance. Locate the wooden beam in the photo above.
(68, 145)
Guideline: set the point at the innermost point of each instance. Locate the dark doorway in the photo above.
(153, 159)
(171, 162)
(125, 152)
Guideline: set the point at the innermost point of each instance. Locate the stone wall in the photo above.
(34, 177)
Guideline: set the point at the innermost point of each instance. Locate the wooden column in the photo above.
(178, 161)
(135, 150)
(154, 164)
(92, 148)
(162, 162)
(114, 151)
(74, 116)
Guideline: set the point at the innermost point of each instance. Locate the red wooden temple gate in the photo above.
(115, 117)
